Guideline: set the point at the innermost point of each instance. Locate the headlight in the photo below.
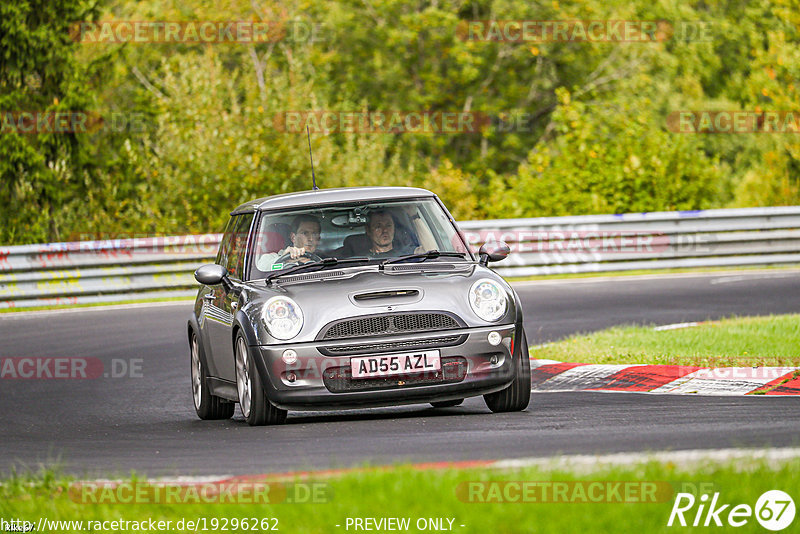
(283, 317)
(488, 299)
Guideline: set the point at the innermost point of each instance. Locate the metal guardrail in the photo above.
(86, 272)
(138, 269)
(657, 240)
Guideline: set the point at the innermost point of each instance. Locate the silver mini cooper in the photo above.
(351, 298)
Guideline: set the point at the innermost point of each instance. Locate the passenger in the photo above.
(380, 231)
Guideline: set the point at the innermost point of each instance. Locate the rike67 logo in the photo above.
(774, 510)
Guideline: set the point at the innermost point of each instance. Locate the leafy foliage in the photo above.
(576, 127)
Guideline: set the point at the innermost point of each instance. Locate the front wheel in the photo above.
(206, 405)
(256, 408)
(516, 396)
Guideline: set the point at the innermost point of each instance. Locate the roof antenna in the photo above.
(311, 157)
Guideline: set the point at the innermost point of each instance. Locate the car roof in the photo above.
(330, 196)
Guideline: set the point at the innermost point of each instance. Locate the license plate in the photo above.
(395, 364)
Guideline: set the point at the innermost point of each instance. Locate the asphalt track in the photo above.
(146, 423)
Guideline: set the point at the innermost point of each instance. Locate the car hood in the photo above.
(367, 291)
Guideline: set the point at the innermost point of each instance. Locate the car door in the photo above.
(225, 298)
(211, 313)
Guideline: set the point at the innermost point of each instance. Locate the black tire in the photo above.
(206, 405)
(517, 395)
(258, 411)
(447, 404)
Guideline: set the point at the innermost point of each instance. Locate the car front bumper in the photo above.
(320, 378)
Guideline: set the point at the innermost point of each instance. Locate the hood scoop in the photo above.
(393, 294)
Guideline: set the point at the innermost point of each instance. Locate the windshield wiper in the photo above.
(321, 264)
(430, 255)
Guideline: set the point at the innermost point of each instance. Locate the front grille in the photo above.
(389, 324)
(411, 344)
(340, 379)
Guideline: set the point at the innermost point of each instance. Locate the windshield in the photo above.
(377, 231)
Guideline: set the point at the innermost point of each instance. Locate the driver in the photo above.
(305, 237)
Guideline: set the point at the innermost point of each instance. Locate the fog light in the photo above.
(289, 356)
(291, 377)
(493, 360)
(495, 338)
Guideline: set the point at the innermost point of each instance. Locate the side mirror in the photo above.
(211, 274)
(493, 251)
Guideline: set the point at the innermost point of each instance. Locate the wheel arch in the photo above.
(243, 325)
(193, 328)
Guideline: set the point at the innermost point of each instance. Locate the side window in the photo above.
(239, 245)
(225, 244)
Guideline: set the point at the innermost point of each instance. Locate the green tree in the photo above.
(40, 174)
(588, 120)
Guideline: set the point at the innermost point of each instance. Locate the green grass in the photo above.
(406, 492)
(741, 342)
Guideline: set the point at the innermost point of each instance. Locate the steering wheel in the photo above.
(287, 258)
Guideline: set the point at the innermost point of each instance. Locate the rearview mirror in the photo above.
(493, 251)
(211, 274)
